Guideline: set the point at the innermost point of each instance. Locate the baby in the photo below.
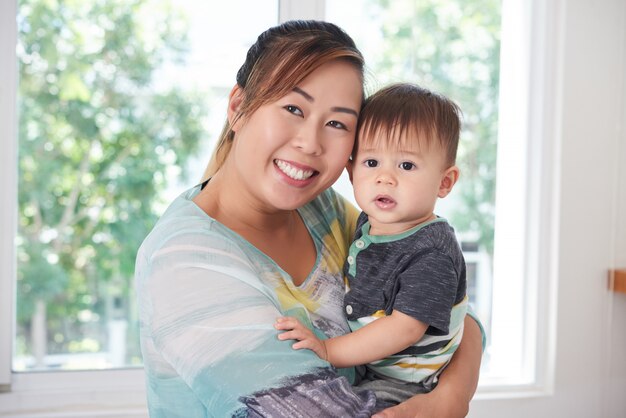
(406, 289)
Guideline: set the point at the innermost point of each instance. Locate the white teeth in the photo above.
(293, 172)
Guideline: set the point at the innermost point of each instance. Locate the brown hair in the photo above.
(410, 113)
(279, 60)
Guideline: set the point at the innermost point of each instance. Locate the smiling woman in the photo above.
(228, 258)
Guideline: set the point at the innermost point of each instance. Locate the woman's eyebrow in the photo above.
(310, 98)
(304, 94)
(345, 110)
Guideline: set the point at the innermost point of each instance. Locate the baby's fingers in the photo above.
(291, 335)
(286, 322)
(303, 344)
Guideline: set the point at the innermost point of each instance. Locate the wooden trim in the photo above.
(617, 280)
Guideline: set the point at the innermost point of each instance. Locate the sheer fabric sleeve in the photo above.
(208, 338)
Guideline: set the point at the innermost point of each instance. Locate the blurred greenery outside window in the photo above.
(452, 47)
(120, 103)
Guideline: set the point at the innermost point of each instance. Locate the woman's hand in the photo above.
(436, 404)
(294, 330)
(457, 383)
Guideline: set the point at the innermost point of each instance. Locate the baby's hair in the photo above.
(410, 113)
(278, 61)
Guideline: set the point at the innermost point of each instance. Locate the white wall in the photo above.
(590, 356)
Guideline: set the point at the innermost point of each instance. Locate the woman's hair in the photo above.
(409, 115)
(279, 60)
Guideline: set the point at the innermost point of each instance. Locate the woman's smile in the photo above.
(295, 171)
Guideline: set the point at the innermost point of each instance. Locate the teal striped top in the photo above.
(207, 303)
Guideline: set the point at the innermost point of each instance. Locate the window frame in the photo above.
(530, 65)
(121, 392)
(8, 185)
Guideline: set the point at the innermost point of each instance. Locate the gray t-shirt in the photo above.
(420, 273)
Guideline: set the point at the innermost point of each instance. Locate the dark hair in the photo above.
(410, 113)
(279, 60)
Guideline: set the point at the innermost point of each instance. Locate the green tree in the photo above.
(98, 138)
(453, 46)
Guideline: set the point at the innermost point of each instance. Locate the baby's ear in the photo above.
(349, 169)
(235, 98)
(448, 180)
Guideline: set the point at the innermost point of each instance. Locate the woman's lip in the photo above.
(300, 183)
(297, 165)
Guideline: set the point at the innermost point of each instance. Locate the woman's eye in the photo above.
(337, 124)
(407, 166)
(371, 163)
(294, 109)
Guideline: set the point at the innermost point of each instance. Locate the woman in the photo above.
(266, 237)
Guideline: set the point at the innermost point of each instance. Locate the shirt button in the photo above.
(359, 244)
(349, 309)
(350, 259)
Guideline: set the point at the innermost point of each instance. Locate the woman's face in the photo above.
(289, 151)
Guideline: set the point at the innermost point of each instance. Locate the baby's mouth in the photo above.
(386, 200)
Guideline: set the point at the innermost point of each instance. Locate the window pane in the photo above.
(119, 104)
(453, 47)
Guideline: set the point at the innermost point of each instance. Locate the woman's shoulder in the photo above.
(182, 222)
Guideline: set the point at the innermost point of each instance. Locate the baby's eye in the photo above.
(337, 124)
(407, 166)
(371, 163)
(293, 109)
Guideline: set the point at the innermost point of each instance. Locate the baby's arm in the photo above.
(379, 339)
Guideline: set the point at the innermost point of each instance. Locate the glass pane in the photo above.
(119, 104)
(453, 47)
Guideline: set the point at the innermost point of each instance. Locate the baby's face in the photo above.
(397, 186)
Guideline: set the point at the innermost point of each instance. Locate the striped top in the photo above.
(207, 303)
(419, 272)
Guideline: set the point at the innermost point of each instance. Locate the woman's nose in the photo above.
(308, 140)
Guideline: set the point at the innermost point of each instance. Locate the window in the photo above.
(471, 52)
(118, 104)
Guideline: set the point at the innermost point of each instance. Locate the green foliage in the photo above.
(453, 47)
(97, 139)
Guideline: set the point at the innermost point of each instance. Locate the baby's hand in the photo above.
(294, 330)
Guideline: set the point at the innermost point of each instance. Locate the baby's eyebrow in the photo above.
(311, 99)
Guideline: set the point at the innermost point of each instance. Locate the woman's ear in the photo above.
(235, 98)
(450, 177)
(349, 167)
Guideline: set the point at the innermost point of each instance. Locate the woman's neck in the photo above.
(232, 204)
(279, 234)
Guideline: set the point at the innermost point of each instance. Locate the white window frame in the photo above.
(526, 225)
(8, 184)
(117, 393)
